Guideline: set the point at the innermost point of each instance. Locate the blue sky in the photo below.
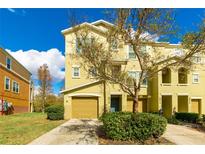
(38, 31)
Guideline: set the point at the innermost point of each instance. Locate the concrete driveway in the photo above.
(183, 135)
(74, 131)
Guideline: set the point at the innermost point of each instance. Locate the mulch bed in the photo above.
(103, 140)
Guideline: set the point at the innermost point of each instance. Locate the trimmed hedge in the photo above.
(187, 117)
(55, 112)
(133, 126)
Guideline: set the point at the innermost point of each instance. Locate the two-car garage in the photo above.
(84, 107)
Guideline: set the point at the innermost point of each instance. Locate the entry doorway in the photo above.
(115, 105)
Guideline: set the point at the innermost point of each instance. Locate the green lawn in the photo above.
(25, 127)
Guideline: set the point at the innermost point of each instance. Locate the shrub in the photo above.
(173, 120)
(133, 126)
(187, 117)
(203, 117)
(55, 112)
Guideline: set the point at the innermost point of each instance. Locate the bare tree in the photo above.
(44, 78)
(136, 28)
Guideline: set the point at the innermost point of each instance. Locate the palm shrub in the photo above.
(133, 126)
(55, 112)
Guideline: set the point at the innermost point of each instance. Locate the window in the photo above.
(195, 78)
(8, 63)
(92, 72)
(15, 87)
(78, 45)
(197, 59)
(7, 83)
(80, 42)
(136, 75)
(166, 75)
(182, 76)
(143, 49)
(132, 54)
(114, 44)
(115, 70)
(76, 72)
(133, 74)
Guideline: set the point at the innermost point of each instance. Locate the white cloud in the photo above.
(11, 10)
(33, 59)
(150, 37)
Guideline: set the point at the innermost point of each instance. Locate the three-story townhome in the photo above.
(15, 83)
(170, 90)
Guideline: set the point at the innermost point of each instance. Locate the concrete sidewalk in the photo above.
(182, 135)
(75, 131)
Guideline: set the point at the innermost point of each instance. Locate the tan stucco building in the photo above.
(169, 90)
(15, 83)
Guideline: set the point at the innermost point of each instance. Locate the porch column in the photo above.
(174, 102)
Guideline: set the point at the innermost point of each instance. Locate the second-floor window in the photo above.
(131, 54)
(116, 70)
(136, 75)
(7, 83)
(75, 72)
(8, 63)
(15, 87)
(195, 77)
(92, 72)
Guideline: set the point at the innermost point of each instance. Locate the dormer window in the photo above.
(8, 63)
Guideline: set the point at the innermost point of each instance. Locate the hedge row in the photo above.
(187, 117)
(133, 126)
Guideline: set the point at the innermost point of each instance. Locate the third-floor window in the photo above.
(8, 63)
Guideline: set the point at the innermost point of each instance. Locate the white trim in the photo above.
(65, 31)
(102, 21)
(182, 84)
(166, 94)
(196, 98)
(183, 94)
(63, 91)
(85, 95)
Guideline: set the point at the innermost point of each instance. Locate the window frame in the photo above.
(8, 58)
(73, 72)
(17, 88)
(193, 81)
(5, 80)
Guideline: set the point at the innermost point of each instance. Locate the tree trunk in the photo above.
(135, 103)
(104, 88)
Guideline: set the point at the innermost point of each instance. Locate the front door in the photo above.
(115, 104)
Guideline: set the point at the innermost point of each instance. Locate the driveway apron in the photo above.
(183, 135)
(74, 131)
